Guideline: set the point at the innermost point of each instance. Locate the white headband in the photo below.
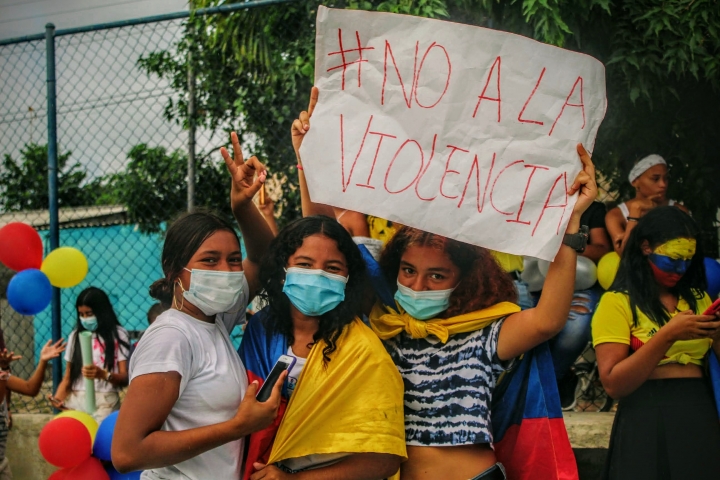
(644, 165)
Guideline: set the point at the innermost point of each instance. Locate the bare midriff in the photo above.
(676, 370)
(459, 462)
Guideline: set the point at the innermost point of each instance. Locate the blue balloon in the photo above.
(29, 292)
(103, 438)
(115, 475)
(712, 273)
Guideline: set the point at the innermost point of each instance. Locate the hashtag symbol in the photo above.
(345, 64)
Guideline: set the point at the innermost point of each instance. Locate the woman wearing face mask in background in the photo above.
(189, 405)
(344, 418)
(109, 368)
(652, 344)
(649, 176)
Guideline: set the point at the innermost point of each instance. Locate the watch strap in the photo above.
(577, 241)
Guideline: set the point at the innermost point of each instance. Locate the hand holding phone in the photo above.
(285, 362)
(713, 309)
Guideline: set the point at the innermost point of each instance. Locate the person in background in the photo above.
(268, 212)
(110, 350)
(189, 405)
(649, 176)
(513, 265)
(567, 345)
(652, 342)
(154, 311)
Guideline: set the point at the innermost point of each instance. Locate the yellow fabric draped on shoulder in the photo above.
(387, 322)
(355, 405)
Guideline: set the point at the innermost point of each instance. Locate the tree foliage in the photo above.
(153, 187)
(254, 69)
(24, 182)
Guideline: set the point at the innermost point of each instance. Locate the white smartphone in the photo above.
(285, 362)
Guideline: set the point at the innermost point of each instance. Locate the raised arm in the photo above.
(255, 231)
(524, 330)
(31, 386)
(299, 128)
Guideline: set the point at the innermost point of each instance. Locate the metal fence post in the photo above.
(191, 118)
(53, 187)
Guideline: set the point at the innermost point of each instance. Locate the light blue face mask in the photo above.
(314, 292)
(423, 305)
(90, 323)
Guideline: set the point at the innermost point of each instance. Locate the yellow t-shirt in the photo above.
(381, 229)
(508, 261)
(613, 323)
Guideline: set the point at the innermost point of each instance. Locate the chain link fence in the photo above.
(122, 170)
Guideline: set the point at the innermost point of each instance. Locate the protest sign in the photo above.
(462, 131)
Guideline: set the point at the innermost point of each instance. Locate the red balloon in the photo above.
(63, 474)
(20, 247)
(65, 442)
(90, 469)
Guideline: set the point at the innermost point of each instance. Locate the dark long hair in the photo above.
(184, 237)
(272, 275)
(107, 330)
(483, 282)
(635, 277)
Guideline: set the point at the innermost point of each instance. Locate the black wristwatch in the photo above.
(577, 241)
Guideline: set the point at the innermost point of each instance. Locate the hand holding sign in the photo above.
(244, 183)
(584, 183)
(301, 125)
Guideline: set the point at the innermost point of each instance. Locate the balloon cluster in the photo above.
(30, 290)
(586, 274)
(75, 443)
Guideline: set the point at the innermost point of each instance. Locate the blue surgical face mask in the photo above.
(214, 291)
(89, 323)
(314, 292)
(423, 305)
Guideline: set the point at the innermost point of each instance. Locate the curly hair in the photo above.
(483, 282)
(635, 277)
(272, 276)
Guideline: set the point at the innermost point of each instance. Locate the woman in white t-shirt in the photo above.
(109, 368)
(189, 405)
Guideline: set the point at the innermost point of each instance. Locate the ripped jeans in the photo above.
(567, 345)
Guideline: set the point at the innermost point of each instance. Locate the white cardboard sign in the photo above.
(461, 131)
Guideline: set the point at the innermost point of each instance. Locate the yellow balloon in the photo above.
(607, 269)
(65, 267)
(85, 419)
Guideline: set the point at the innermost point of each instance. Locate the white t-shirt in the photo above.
(294, 374)
(121, 354)
(212, 386)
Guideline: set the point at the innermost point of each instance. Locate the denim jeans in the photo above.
(567, 345)
(525, 299)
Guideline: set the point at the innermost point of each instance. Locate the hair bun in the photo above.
(162, 290)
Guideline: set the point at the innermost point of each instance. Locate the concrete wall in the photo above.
(588, 432)
(22, 449)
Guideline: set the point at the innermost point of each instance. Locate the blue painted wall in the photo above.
(123, 262)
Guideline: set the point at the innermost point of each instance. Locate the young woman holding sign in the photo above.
(652, 341)
(454, 330)
(344, 418)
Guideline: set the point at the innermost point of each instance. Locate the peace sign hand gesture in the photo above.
(244, 183)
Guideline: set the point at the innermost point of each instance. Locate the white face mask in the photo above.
(214, 291)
